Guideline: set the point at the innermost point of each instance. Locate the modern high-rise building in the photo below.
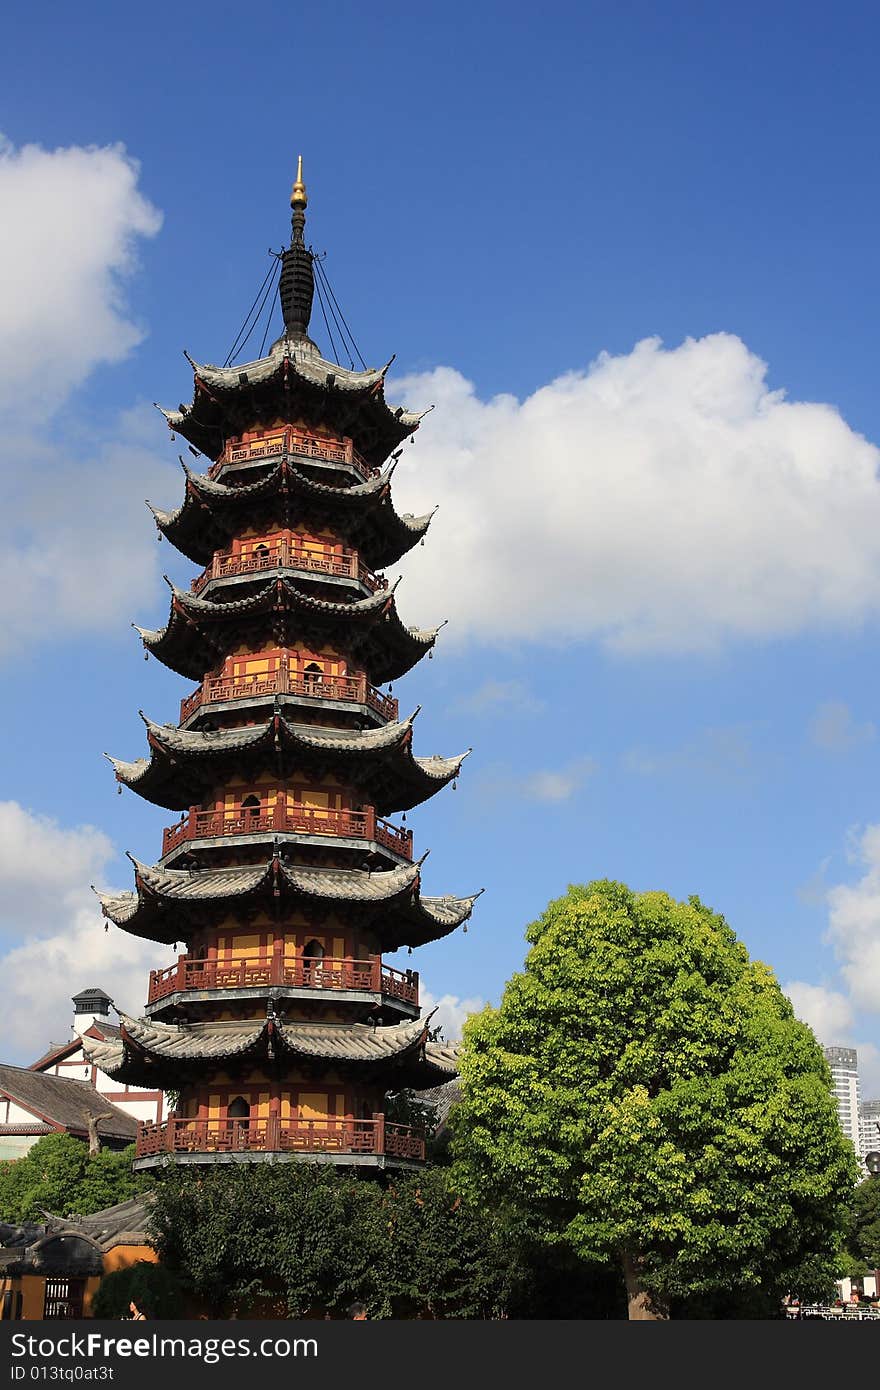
(869, 1127)
(844, 1064)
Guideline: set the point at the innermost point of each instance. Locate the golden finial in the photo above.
(298, 197)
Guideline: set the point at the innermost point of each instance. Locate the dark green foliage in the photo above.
(645, 1094)
(153, 1288)
(862, 1239)
(404, 1108)
(57, 1175)
(309, 1237)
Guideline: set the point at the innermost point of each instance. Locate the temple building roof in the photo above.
(162, 1050)
(212, 512)
(126, 1223)
(184, 765)
(201, 632)
(60, 1103)
(293, 381)
(168, 903)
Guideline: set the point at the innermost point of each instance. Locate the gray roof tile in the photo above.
(61, 1101)
(183, 762)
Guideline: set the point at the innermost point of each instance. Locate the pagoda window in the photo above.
(239, 1113)
(251, 807)
(313, 955)
(313, 673)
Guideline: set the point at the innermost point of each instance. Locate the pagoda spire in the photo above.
(297, 284)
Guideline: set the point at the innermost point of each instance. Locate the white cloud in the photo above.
(837, 1015)
(45, 871)
(854, 923)
(40, 976)
(498, 697)
(546, 784)
(721, 754)
(77, 548)
(835, 729)
(81, 555)
(67, 242)
(451, 1012)
(664, 499)
(558, 784)
(830, 1015)
(44, 868)
(827, 1011)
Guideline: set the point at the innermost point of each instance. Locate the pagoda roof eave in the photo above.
(211, 509)
(183, 763)
(159, 1050)
(303, 382)
(166, 901)
(189, 645)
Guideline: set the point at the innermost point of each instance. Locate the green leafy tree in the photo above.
(302, 1238)
(862, 1241)
(646, 1095)
(153, 1288)
(58, 1175)
(445, 1257)
(297, 1235)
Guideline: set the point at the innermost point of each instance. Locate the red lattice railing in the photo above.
(324, 973)
(355, 689)
(296, 820)
(373, 1136)
(283, 553)
(298, 443)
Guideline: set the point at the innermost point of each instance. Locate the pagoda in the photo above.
(280, 1030)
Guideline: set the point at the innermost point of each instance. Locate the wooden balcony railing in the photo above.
(373, 1136)
(283, 681)
(324, 973)
(296, 820)
(298, 443)
(284, 553)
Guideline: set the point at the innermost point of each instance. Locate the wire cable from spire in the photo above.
(244, 333)
(272, 302)
(339, 330)
(326, 319)
(318, 262)
(335, 317)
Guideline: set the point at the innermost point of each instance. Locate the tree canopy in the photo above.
(152, 1287)
(58, 1175)
(862, 1243)
(293, 1239)
(308, 1237)
(645, 1093)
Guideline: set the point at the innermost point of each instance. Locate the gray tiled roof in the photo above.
(182, 761)
(385, 646)
(58, 1050)
(352, 1043)
(127, 1223)
(294, 371)
(441, 1100)
(406, 918)
(211, 511)
(307, 362)
(61, 1101)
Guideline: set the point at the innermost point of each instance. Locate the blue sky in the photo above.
(661, 563)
